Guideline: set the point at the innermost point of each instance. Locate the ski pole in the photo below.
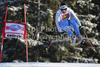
(54, 41)
(90, 42)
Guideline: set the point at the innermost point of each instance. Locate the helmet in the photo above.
(63, 5)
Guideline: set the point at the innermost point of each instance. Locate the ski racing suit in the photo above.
(66, 21)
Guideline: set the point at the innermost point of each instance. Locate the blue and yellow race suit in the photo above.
(66, 21)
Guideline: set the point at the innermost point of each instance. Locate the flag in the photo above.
(14, 30)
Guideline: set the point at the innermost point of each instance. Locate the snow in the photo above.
(40, 64)
(1, 3)
(15, 8)
(80, 1)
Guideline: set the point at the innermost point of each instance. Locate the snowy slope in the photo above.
(39, 64)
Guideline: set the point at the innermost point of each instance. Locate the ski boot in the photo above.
(73, 38)
(79, 38)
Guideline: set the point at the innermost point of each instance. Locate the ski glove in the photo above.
(63, 34)
(82, 29)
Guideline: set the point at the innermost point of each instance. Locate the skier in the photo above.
(65, 20)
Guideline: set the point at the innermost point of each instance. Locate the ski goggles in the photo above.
(63, 9)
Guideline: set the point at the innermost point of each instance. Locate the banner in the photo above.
(14, 30)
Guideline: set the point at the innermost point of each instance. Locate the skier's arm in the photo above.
(74, 15)
(57, 20)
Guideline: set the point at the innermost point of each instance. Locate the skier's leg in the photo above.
(76, 29)
(66, 26)
(77, 32)
(69, 32)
